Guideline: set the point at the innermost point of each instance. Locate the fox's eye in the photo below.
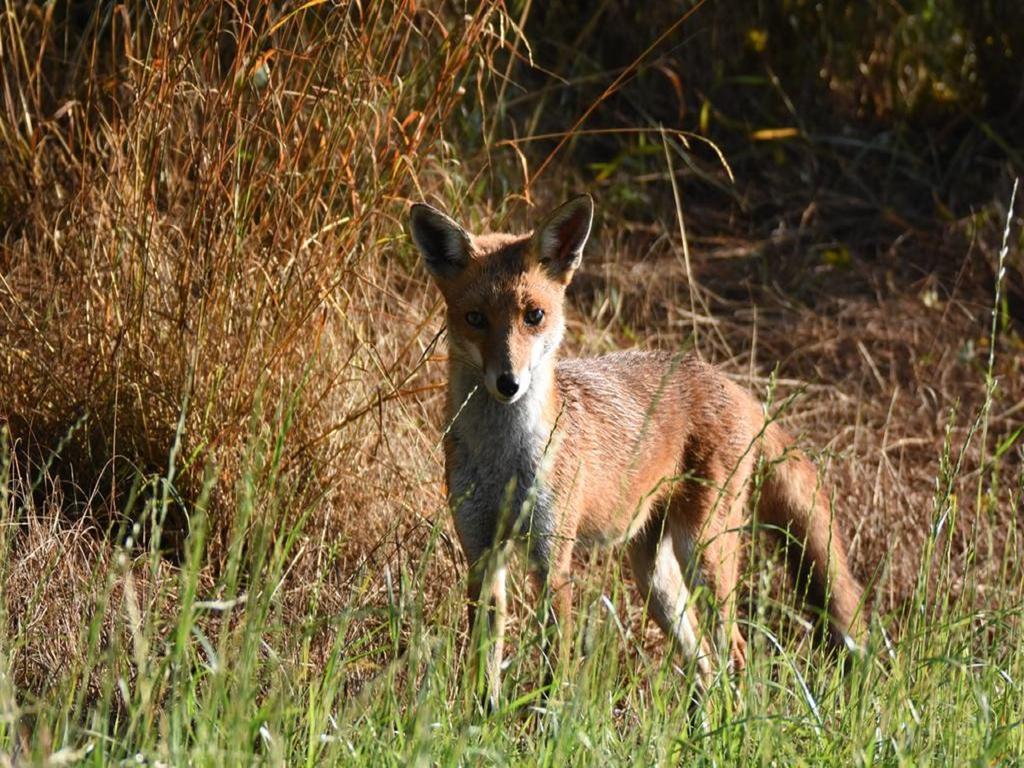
(534, 316)
(476, 319)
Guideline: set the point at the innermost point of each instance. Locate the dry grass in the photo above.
(212, 320)
(204, 255)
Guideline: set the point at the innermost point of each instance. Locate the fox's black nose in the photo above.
(507, 384)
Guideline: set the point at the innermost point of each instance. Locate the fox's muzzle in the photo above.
(507, 386)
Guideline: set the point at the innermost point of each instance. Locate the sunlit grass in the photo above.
(172, 676)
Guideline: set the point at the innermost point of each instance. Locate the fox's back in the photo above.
(635, 422)
(635, 399)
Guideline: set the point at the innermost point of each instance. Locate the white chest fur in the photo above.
(497, 471)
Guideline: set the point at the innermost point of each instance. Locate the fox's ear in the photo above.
(445, 245)
(559, 241)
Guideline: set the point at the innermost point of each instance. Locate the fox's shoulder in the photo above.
(624, 386)
(633, 365)
(633, 376)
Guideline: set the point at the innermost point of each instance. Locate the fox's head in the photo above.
(504, 293)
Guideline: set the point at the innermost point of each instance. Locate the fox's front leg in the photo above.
(553, 585)
(487, 556)
(487, 588)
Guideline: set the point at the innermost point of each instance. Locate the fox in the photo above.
(654, 450)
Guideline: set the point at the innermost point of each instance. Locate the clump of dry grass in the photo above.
(206, 199)
(201, 286)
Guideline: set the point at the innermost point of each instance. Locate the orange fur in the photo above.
(651, 449)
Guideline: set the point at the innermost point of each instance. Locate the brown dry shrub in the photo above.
(204, 250)
(202, 281)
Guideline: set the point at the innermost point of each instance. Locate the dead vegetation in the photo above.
(206, 294)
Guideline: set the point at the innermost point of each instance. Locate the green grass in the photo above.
(179, 678)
